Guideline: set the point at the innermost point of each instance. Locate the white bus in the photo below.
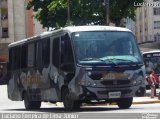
(152, 62)
(75, 65)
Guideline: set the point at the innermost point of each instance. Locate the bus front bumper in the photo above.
(92, 93)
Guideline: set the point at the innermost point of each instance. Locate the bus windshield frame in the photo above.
(106, 48)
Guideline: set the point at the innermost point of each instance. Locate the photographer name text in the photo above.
(145, 4)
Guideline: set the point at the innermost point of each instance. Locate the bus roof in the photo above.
(152, 51)
(94, 28)
(71, 29)
(23, 41)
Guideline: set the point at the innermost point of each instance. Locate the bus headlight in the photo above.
(138, 81)
(89, 73)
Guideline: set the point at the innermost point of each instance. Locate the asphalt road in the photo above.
(57, 111)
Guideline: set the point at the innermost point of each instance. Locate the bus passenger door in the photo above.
(54, 68)
(67, 67)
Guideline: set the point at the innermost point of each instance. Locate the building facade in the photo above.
(16, 23)
(130, 24)
(148, 24)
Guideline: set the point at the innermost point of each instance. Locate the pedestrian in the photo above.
(151, 81)
(156, 81)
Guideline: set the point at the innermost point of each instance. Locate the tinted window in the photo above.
(56, 52)
(23, 56)
(31, 54)
(39, 62)
(66, 52)
(46, 51)
(14, 58)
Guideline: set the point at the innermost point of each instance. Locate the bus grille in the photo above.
(122, 91)
(116, 82)
(96, 76)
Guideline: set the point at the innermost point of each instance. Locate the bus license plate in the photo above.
(114, 94)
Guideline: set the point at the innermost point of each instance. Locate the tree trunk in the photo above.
(118, 23)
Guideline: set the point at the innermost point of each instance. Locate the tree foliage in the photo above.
(122, 9)
(54, 13)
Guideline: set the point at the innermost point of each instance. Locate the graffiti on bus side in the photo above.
(30, 79)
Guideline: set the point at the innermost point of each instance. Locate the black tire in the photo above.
(124, 103)
(68, 102)
(29, 105)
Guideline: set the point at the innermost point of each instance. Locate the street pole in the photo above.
(107, 11)
(68, 11)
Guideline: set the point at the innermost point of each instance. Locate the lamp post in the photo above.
(68, 11)
(106, 2)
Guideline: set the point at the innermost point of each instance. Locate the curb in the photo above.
(107, 104)
(135, 103)
(147, 102)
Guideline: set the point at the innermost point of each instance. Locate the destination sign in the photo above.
(151, 55)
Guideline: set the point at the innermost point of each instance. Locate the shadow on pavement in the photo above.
(62, 110)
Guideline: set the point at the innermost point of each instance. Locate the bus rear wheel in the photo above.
(68, 102)
(124, 103)
(29, 105)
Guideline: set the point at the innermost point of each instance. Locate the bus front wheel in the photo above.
(29, 105)
(68, 102)
(124, 103)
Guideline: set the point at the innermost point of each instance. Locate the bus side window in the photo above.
(39, 62)
(10, 67)
(31, 55)
(23, 56)
(67, 60)
(56, 52)
(14, 58)
(46, 51)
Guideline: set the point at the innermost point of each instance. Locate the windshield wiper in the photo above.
(130, 61)
(111, 61)
(99, 59)
(123, 60)
(90, 59)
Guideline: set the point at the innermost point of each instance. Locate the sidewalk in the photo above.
(147, 99)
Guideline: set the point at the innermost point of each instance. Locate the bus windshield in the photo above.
(109, 47)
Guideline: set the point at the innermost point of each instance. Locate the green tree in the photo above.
(122, 9)
(54, 13)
